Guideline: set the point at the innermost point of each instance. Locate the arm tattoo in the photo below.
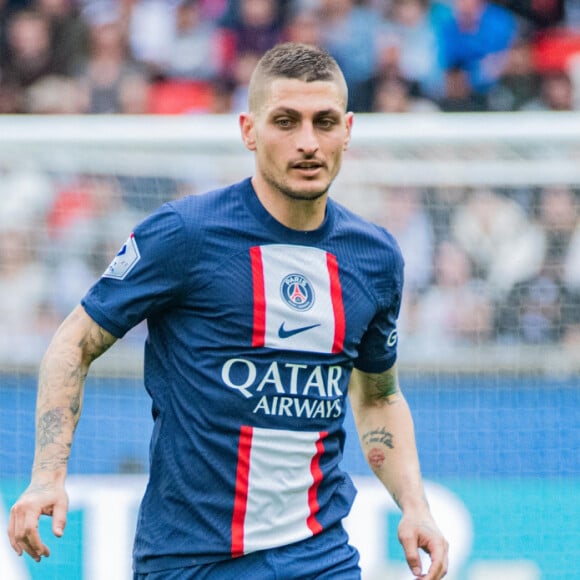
(60, 390)
(75, 405)
(49, 427)
(53, 452)
(375, 441)
(96, 342)
(382, 387)
(380, 436)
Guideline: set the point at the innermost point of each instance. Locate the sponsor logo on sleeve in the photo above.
(124, 261)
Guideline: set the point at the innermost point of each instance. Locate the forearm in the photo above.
(388, 443)
(62, 375)
(387, 437)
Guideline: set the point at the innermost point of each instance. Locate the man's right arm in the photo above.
(75, 345)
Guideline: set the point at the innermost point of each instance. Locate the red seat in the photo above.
(177, 97)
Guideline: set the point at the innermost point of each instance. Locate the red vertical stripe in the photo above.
(241, 496)
(313, 504)
(258, 335)
(337, 304)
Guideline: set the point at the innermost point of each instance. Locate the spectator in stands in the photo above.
(29, 53)
(195, 51)
(535, 309)
(303, 25)
(135, 95)
(545, 307)
(223, 89)
(556, 93)
(519, 84)
(243, 67)
(474, 38)
(7, 8)
(458, 95)
(559, 217)
(213, 10)
(503, 244)
(395, 95)
(11, 99)
(231, 9)
(108, 65)
(350, 32)
(55, 95)
(151, 32)
(572, 261)
(185, 81)
(408, 42)
(456, 310)
(69, 32)
(256, 27)
(571, 279)
(80, 221)
(24, 278)
(442, 203)
(405, 216)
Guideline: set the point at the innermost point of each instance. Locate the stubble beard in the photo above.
(296, 194)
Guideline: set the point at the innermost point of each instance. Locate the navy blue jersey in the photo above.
(253, 330)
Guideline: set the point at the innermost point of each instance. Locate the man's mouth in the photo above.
(307, 165)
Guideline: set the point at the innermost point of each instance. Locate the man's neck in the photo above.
(296, 214)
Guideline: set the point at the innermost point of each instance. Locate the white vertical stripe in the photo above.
(280, 261)
(278, 484)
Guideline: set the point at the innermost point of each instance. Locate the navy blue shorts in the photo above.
(326, 556)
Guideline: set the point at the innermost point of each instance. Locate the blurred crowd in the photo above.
(196, 56)
(483, 266)
(487, 266)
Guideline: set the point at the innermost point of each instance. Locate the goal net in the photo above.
(486, 209)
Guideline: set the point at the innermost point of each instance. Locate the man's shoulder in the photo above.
(356, 225)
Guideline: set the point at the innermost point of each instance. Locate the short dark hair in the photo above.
(293, 60)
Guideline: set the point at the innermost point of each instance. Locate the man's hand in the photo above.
(415, 533)
(48, 499)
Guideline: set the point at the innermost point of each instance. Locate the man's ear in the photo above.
(248, 131)
(349, 122)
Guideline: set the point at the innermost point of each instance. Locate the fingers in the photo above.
(23, 533)
(409, 544)
(438, 553)
(12, 534)
(432, 541)
(59, 519)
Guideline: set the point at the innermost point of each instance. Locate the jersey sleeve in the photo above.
(378, 348)
(146, 275)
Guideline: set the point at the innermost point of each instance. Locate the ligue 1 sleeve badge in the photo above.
(124, 261)
(297, 292)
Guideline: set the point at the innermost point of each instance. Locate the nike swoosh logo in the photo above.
(284, 333)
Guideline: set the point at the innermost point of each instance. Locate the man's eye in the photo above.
(283, 123)
(326, 123)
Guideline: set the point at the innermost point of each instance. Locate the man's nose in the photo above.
(307, 139)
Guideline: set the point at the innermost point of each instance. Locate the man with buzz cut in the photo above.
(268, 306)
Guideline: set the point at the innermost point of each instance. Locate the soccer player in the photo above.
(267, 304)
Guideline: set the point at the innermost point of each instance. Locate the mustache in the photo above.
(307, 162)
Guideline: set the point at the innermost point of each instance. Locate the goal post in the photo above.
(500, 149)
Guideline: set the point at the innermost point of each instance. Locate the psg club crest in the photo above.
(297, 292)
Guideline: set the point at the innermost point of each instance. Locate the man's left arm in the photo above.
(387, 436)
